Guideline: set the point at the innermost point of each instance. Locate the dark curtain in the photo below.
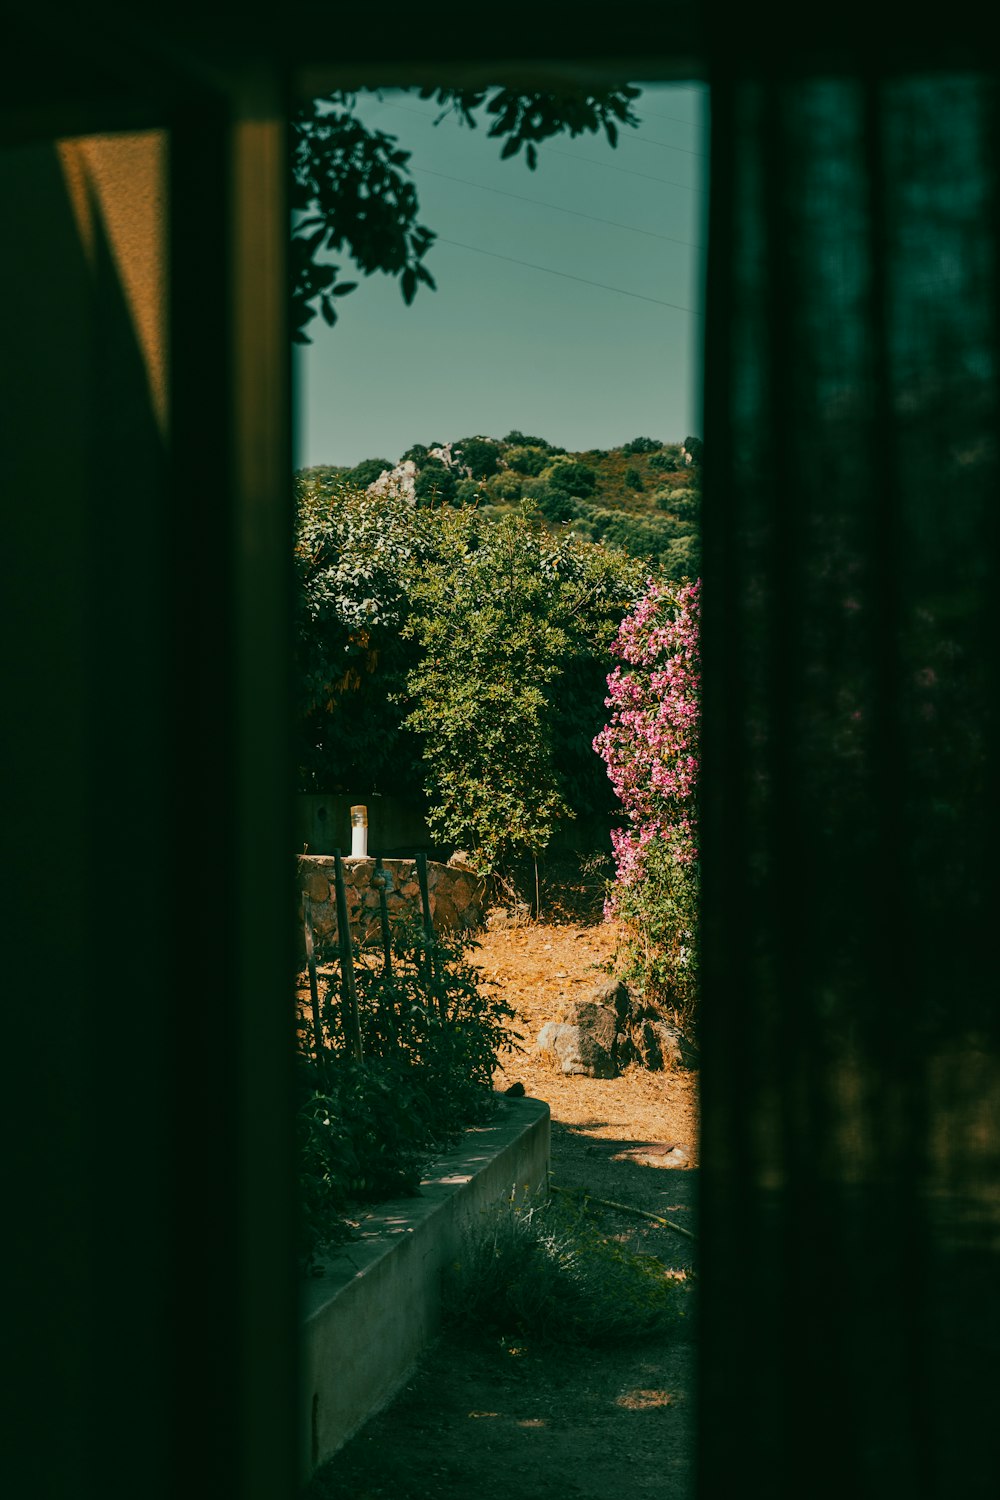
(850, 1338)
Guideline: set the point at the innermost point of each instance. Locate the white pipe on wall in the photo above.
(359, 831)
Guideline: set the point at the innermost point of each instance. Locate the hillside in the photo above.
(643, 498)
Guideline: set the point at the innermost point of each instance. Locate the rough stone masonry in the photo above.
(457, 895)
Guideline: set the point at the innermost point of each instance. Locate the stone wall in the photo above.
(457, 895)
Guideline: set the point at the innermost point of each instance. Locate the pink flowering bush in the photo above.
(650, 748)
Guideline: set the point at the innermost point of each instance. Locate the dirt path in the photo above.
(487, 1420)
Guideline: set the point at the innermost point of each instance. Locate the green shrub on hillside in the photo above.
(555, 505)
(571, 477)
(469, 492)
(682, 558)
(683, 501)
(686, 505)
(416, 454)
(521, 440)
(530, 461)
(367, 471)
(633, 479)
(323, 478)
(435, 484)
(504, 486)
(642, 445)
(649, 536)
(664, 499)
(480, 455)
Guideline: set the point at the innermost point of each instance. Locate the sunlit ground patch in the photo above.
(646, 1400)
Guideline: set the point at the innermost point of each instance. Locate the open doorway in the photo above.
(529, 405)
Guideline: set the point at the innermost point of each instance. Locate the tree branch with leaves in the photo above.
(353, 196)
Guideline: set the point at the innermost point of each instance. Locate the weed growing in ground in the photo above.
(541, 1269)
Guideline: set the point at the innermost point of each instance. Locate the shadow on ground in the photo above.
(622, 1171)
(487, 1419)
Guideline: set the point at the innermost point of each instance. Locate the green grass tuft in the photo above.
(541, 1270)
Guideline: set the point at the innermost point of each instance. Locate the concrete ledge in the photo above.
(378, 1303)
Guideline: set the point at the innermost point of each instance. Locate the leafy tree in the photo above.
(417, 454)
(555, 505)
(527, 460)
(685, 503)
(682, 558)
(435, 483)
(467, 491)
(505, 486)
(351, 552)
(694, 446)
(352, 195)
(520, 440)
(500, 613)
(481, 455)
(424, 631)
(633, 479)
(570, 477)
(367, 471)
(668, 536)
(642, 445)
(491, 638)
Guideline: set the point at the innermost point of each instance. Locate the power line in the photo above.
(611, 167)
(540, 203)
(665, 145)
(676, 118)
(442, 240)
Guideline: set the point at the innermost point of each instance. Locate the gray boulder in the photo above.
(584, 1043)
(613, 993)
(660, 1046)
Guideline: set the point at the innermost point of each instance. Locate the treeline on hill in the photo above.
(454, 629)
(643, 497)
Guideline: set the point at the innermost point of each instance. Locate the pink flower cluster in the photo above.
(650, 745)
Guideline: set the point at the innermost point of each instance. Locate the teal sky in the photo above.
(501, 345)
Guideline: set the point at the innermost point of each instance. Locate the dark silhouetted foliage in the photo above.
(353, 196)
